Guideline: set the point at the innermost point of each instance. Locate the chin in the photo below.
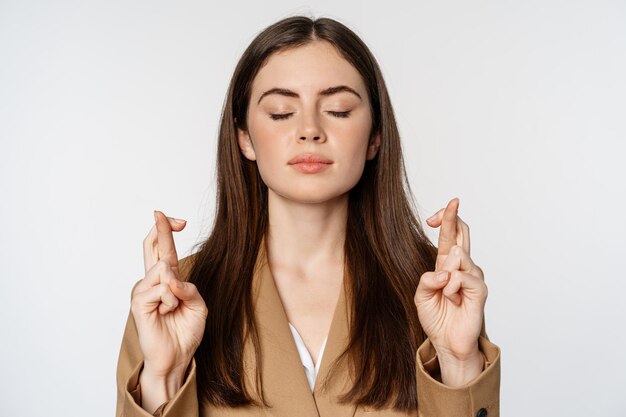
(310, 195)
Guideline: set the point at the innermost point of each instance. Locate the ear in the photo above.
(245, 143)
(372, 148)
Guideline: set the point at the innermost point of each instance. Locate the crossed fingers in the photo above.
(453, 230)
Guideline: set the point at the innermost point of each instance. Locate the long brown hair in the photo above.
(386, 249)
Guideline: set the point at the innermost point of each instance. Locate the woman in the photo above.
(316, 257)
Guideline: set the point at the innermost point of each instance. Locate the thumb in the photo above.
(187, 293)
(430, 283)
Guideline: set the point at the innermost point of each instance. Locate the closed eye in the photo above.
(339, 114)
(280, 116)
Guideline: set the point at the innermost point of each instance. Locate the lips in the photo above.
(309, 158)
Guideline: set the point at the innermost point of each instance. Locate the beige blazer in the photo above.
(284, 379)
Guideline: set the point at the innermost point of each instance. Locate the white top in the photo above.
(310, 368)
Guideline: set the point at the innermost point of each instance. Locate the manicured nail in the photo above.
(180, 220)
(442, 276)
(155, 216)
(431, 218)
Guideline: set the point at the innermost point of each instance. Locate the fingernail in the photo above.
(180, 284)
(442, 276)
(431, 218)
(180, 220)
(155, 216)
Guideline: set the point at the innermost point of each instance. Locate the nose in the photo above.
(310, 129)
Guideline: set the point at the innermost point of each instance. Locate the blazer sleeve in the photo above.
(478, 398)
(129, 366)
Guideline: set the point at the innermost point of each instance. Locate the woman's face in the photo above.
(303, 118)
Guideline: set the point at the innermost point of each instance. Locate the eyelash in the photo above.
(338, 114)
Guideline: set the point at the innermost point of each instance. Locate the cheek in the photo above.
(270, 147)
(353, 167)
(262, 135)
(350, 159)
(354, 150)
(268, 157)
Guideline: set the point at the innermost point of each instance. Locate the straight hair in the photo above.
(386, 249)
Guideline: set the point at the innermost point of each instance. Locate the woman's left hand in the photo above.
(451, 310)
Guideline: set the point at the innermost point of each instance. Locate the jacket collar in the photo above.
(285, 384)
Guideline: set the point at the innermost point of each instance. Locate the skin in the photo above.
(307, 218)
(308, 212)
(451, 309)
(170, 315)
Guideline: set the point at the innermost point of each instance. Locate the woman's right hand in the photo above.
(170, 315)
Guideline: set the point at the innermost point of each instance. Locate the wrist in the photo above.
(168, 384)
(457, 371)
(157, 389)
(169, 376)
(461, 357)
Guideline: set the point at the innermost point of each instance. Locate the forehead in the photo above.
(307, 69)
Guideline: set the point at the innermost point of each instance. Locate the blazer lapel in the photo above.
(285, 384)
(341, 381)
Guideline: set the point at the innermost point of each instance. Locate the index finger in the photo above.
(448, 230)
(165, 240)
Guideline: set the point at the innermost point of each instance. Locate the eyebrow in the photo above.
(326, 92)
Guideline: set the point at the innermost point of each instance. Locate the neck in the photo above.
(304, 237)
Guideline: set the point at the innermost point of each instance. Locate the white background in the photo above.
(109, 110)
